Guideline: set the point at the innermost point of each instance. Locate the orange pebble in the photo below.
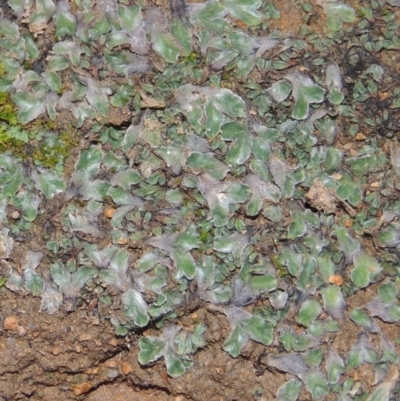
(336, 279)
(109, 212)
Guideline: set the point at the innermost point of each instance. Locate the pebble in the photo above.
(85, 337)
(111, 363)
(21, 330)
(82, 388)
(113, 373)
(336, 279)
(11, 323)
(122, 241)
(15, 214)
(337, 176)
(126, 368)
(109, 212)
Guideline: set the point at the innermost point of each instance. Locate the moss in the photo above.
(49, 155)
(204, 236)
(8, 111)
(280, 268)
(192, 57)
(24, 141)
(14, 146)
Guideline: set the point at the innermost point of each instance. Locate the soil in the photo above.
(77, 356)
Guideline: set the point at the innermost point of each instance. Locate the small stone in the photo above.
(348, 145)
(360, 136)
(348, 223)
(21, 331)
(384, 95)
(122, 241)
(82, 388)
(337, 176)
(92, 371)
(85, 337)
(375, 184)
(113, 342)
(11, 323)
(353, 152)
(126, 368)
(56, 351)
(78, 349)
(109, 212)
(15, 214)
(336, 279)
(119, 115)
(111, 364)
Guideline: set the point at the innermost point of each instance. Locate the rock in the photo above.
(85, 337)
(11, 323)
(321, 198)
(82, 388)
(127, 368)
(336, 279)
(109, 212)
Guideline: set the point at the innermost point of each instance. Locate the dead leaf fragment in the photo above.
(149, 102)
